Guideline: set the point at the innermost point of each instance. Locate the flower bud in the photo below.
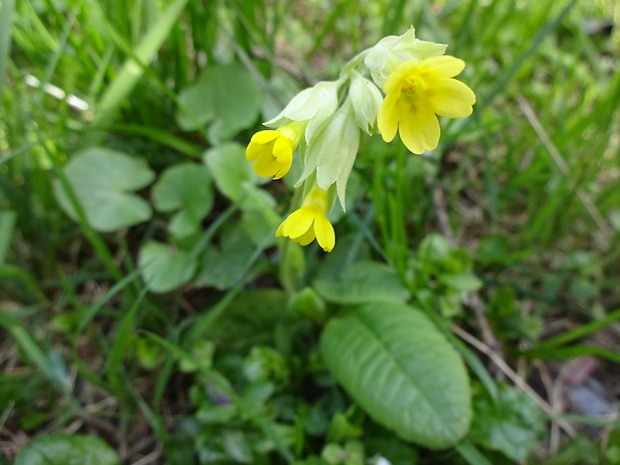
(391, 51)
(366, 100)
(314, 105)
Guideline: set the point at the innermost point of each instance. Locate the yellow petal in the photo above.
(387, 122)
(262, 137)
(279, 230)
(283, 150)
(420, 129)
(254, 151)
(306, 238)
(297, 223)
(452, 99)
(281, 173)
(445, 66)
(266, 166)
(325, 235)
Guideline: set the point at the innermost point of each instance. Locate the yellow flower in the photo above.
(310, 222)
(416, 91)
(273, 150)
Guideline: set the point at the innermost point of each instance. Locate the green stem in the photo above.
(353, 63)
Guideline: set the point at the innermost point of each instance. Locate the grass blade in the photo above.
(6, 28)
(133, 69)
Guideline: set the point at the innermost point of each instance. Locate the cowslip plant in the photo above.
(325, 122)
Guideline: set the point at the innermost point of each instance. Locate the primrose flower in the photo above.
(273, 150)
(416, 91)
(310, 222)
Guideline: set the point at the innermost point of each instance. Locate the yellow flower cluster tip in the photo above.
(327, 120)
(273, 150)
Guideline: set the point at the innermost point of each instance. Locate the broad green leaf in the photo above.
(512, 424)
(226, 96)
(223, 268)
(186, 188)
(103, 180)
(235, 179)
(231, 172)
(364, 282)
(402, 371)
(249, 319)
(64, 449)
(463, 281)
(259, 225)
(164, 268)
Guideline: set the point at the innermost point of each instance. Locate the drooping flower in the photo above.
(416, 91)
(310, 222)
(272, 151)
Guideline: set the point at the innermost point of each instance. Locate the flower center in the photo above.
(413, 86)
(316, 201)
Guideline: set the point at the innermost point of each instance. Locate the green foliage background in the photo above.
(148, 314)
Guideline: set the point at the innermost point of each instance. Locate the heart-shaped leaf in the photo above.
(102, 180)
(186, 187)
(226, 96)
(164, 268)
(235, 179)
(402, 371)
(64, 449)
(231, 172)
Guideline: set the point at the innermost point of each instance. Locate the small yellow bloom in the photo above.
(310, 222)
(416, 91)
(273, 150)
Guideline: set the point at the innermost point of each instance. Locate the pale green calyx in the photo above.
(366, 99)
(391, 51)
(333, 151)
(315, 105)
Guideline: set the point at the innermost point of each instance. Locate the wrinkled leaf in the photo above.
(364, 282)
(512, 424)
(103, 180)
(402, 371)
(225, 96)
(186, 188)
(164, 268)
(64, 449)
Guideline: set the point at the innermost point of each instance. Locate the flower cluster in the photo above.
(325, 122)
